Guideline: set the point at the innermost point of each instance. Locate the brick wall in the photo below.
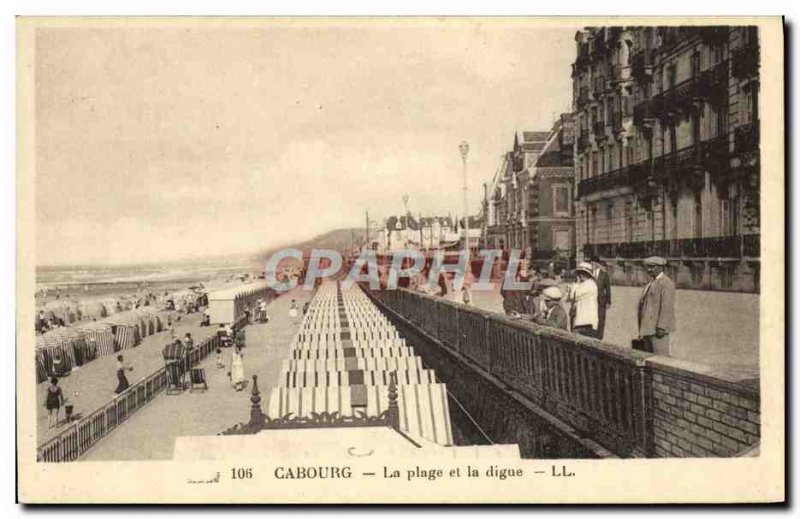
(699, 412)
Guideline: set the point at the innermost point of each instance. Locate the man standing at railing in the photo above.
(603, 294)
(657, 307)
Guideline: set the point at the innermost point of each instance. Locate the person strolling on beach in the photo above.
(122, 380)
(55, 399)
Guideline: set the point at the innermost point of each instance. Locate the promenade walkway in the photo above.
(717, 329)
(95, 382)
(150, 433)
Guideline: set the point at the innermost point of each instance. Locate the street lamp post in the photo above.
(463, 148)
(405, 220)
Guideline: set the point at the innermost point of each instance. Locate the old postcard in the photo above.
(388, 260)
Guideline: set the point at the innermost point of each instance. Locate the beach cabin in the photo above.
(227, 305)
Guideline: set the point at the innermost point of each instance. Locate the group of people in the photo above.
(589, 298)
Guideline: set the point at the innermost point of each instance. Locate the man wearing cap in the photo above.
(535, 305)
(603, 294)
(554, 314)
(584, 301)
(657, 307)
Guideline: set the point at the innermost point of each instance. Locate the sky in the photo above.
(176, 142)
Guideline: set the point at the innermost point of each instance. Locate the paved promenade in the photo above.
(718, 329)
(150, 433)
(95, 382)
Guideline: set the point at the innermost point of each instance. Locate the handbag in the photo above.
(642, 344)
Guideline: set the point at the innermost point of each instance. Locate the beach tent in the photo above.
(126, 330)
(100, 336)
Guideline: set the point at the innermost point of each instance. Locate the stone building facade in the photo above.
(530, 204)
(667, 152)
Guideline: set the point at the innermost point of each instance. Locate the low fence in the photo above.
(81, 435)
(605, 391)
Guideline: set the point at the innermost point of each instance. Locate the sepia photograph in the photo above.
(418, 260)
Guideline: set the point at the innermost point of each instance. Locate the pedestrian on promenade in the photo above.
(293, 309)
(514, 299)
(554, 314)
(583, 296)
(466, 293)
(220, 364)
(603, 294)
(53, 403)
(535, 304)
(122, 380)
(237, 368)
(657, 307)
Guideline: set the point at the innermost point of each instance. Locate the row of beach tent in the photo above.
(62, 349)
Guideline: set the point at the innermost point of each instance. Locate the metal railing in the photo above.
(82, 434)
(590, 384)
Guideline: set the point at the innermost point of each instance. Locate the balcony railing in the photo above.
(746, 138)
(642, 65)
(713, 82)
(583, 140)
(720, 247)
(745, 61)
(598, 86)
(677, 99)
(615, 73)
(599, 130)
(616, 121)
(610, 180)
(644, 113)
(583, 97)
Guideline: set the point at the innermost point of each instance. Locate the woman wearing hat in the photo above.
(584, 301)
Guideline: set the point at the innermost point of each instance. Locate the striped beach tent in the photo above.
(41, 371)
(99, 335)
(126, 331)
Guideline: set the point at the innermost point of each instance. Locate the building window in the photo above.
(698, 215)
(561, 200)
(610, 221)
(561, 240)
(628, 221)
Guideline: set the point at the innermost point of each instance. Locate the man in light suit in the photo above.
(657, 307)
(603, 294)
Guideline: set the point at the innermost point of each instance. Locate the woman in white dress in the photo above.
(293, 309)
(237, 368)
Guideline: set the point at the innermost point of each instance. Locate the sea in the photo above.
(98, 281)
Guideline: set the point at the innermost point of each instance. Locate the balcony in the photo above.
(615, 73)
(642, 65)
(612, 179)
(598, 46)
(745, 61)
(583, 56)
(714, 35)
(746, 138)
(644, 113)
(713, 82)
(616, 122)
(677, 99)
(599, 130)
(714, 152)
(598, 86)
(583, 97)
(729, 247)
(583, 140)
